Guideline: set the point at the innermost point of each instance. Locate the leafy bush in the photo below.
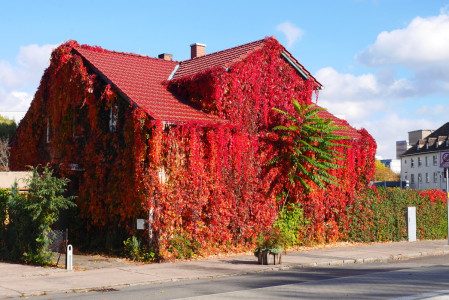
(4, 195)
(134, 250)
(379, 214)
(183, 247)
(272, 240)
(31, 215)
(290, 223)
(7, 127)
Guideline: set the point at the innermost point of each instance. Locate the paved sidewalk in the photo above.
(21, 280)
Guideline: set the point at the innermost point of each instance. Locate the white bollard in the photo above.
(411, 223)
(69, 258)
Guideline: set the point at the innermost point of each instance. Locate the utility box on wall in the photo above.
(140, 224)
(411, 223)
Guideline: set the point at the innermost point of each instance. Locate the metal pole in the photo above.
(447, 201)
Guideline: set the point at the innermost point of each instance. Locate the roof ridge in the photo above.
(221, 51)
(102, 50)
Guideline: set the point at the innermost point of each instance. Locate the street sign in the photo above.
(444, 159)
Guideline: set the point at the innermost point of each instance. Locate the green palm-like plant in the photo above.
(312, 153)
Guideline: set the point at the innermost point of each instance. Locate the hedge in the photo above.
(379, 214)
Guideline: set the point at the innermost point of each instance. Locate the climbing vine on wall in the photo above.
(207, 183)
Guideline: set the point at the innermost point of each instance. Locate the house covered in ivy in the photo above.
(181, 144)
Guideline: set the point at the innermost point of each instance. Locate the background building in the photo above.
(420, 164)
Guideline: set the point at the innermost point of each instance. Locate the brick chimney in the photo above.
(166, 56)
(197, 50)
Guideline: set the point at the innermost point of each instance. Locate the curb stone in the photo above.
(319, 259)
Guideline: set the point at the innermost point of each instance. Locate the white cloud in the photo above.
(434, 112)
(391, 128)
(14, 101)
(358, 97)
(35, 57)
(424, 41)
(292, 33)
(373, 101)
(381, 101)
(19, 79)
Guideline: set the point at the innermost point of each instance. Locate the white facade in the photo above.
(423, 171)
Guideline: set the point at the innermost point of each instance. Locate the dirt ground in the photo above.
(92, 262)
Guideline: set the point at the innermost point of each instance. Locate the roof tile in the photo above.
(140, 80)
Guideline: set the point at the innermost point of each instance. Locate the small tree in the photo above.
(309, 147)
(4, 154)
(32, 215)
(7, 129)
(384, 173)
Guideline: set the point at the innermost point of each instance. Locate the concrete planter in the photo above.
(267, 257)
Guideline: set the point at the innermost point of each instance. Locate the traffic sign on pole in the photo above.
(444, 163)
(444, 159)
(447, 200)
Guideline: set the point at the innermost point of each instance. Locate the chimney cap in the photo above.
(165, 56)
(197, 50)
(197, 44)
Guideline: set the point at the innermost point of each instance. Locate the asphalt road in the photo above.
(420, 278)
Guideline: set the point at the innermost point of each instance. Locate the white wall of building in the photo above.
(423, 171)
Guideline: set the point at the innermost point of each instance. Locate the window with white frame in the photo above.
(412, 178)
(427, 161)
(435, 160)
(419, 178)
(412, 163)
(435, 177)
(427, 178)
(419, 162)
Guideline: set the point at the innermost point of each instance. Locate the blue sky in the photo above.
(384, 63)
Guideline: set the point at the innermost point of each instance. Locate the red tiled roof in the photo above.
(348, 131)
(227, 57)
(139, 79)
(217, 59)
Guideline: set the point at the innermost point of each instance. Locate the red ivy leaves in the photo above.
(217, 189)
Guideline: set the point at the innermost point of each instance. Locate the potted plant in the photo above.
(269, 247)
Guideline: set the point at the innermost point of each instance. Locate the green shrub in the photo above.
(31, 215)
(132, 248)
(272, 240)
(183, 247)
(379, 214)
(290, 223)
(4, 195)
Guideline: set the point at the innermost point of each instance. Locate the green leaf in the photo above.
(314, 146)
